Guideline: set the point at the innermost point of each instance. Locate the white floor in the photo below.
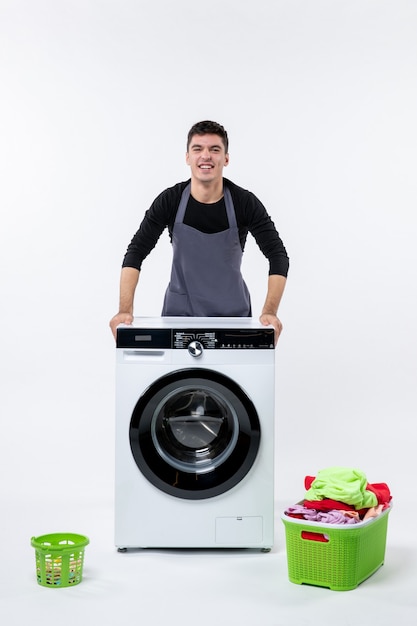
(197, 587)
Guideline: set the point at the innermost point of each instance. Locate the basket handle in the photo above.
(310, 536)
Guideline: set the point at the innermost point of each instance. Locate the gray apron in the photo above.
(205, 277)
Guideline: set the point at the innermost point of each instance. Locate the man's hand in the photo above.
(267, 319)
(120, 318)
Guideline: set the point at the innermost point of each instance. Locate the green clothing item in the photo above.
(344, 485)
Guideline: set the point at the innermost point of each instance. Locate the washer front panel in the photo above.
(242, 515)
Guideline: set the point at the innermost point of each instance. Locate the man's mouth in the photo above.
(205, 166)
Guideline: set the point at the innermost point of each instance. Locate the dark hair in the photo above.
(208, 128)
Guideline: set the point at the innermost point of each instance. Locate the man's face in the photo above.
(207, 157)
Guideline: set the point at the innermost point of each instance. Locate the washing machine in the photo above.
(194, 433)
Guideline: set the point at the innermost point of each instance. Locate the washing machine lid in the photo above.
(216, 333)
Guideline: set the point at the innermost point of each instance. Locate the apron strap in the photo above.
(179, 218)
(230, 209)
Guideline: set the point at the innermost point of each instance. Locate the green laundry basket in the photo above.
(59, 559)
(337, 556)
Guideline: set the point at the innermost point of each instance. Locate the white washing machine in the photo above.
(194, 434)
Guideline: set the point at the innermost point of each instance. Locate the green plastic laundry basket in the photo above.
(339, 557)
(59, 559)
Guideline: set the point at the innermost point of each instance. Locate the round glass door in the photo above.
(194, 433)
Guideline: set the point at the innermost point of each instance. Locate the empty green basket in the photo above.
(59, 559)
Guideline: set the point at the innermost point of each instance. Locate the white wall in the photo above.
(319, 98)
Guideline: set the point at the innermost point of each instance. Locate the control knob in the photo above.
(195, 348)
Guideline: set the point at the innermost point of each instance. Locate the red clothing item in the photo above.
(382, 492)
(327, 504)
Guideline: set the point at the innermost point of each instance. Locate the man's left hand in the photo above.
(267, 319)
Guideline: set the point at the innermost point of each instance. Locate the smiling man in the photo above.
(208, 218)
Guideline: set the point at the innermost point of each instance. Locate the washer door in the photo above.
(194, 433)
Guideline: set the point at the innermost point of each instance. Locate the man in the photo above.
(208, 218)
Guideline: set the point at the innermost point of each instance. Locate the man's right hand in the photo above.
(120, 318)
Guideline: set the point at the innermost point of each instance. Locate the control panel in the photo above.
(226, 339)
(180, 339)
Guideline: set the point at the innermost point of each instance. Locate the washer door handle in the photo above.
(195, 348)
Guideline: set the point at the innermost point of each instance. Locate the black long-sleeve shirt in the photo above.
(251, 216)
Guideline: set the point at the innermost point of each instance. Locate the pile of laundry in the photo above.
(341, 495)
